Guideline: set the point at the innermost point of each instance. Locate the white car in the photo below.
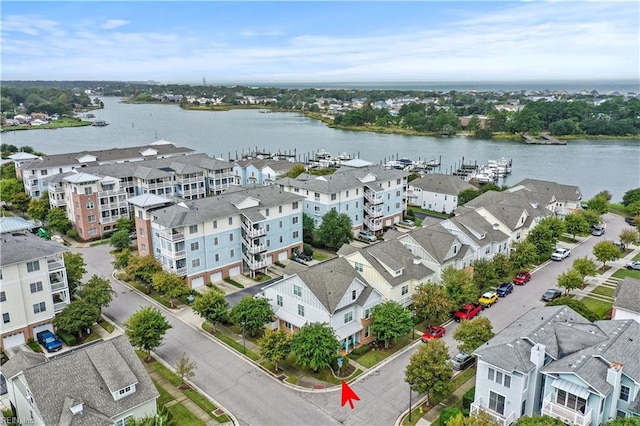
(367, 236)
(560, 254)
(407, 223)
(633, 265)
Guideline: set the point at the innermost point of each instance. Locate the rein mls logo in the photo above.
(16, 421)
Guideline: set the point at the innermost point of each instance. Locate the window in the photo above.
(267, 227)
(301, 310)
(348, 317)
(215, 224)
(215, 241)
(217, 257)
(279, 300)
(230, 237)
(5, 318)
(88, 191)
(498, 377)
(405, 289)
(359, 267)
(33, 266)
(232, 253)
(3, 296)
(93, 231)
(367, 332)
(39, 307)
(297, 290)
(281, 238)
(491, 374)
(367, 312)
(90, 204)
(397, 193)
(43, 172)
(280, 223)
(624, 393)
(230, 221)
(354, 294)
(195, 263)
(294, 206)
(316, 195)
(524, 407)
(295, 235)
(571, 401)
(333, 197)
(193, 229)
(507, 381)
(496, 402)
(35, 287)
(195, 246)
(267, 212)
(91, 218)
(279, 209)
(295, 220)
(316, 210)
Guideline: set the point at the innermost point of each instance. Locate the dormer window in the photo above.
(121, 393)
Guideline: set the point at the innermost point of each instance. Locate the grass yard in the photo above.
(166, 373)
(204, 403)
(624, 273)
(237, 346)
(164, 396)
(604, 291)
(184, 417)
(598, 307)
(373, 357)
(106, 325)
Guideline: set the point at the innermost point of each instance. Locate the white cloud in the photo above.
(113, 23)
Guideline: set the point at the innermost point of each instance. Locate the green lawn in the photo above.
(184, 417)
(205, 404)
(603, 290)
(106, 325)
(624, 273)
(373, 357)
(164, 395)
(166, 373)
(237, 346)
(598, 307)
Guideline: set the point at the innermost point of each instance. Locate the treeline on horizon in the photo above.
(573, 114)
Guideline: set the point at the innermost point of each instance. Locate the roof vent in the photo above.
(77, 408)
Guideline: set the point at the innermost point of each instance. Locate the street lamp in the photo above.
(244, 344)
(410, 385)
(413, 322)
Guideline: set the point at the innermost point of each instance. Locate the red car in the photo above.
(433, 332)
(522, 278)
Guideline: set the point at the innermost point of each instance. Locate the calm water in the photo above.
(593, 165)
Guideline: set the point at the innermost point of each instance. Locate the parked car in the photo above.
(633, 265)
(560, 253)
(407, 222)
(467, 311)
(522, 278)
(462, 360)
(598, 230)
(622, 246)
(551, 294)
(433, 332)
(304, 257)
(488, 299)
(49, 341)
(367, 236)
(504, 289)
(630, 220)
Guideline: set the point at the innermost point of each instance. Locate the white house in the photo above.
(437, 192)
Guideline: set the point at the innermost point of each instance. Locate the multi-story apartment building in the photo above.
(372, 197)
(485, 239)
(554, 362)
(438, 192)
(33, 282)
(260, 172)
(558, 198)
(205, 240)
(36, 173)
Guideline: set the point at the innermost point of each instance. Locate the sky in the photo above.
(323, 41)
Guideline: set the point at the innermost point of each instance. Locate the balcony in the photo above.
(187, 180)
(110, 193)
(372, 211)
(373, 224)
(252, 232)
(221, 175)
(255, 248)
(253, 263)
(58, 286)
(58, 307)
(181, 272)
(178, 254)
(476, 408)
(116, 204)
(54, 264)
(173, 237)
(192, 192)
(157, 185)
(372, 197)
(563, 413)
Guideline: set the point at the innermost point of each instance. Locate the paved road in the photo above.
(257, 399)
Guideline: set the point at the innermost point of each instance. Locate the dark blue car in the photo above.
(504, 289)
(49, 340)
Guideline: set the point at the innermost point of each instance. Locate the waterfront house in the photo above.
(331, 292)
(627, 300)
(485, 239)
(558, 198)
(438, 192)
(104, 384)
(260, 171)
(552, 361)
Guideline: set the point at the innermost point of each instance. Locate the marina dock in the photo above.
(542, 140)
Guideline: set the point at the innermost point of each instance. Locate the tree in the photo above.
(74, 263)
(335, 230)
(295, 171)
(21, 201)
(570, 280)
(576, 224)
(431, 303)
(8, 171)
(538, 421)
(591, 216)
(631, 196)
(634, 209)
(606, 251)
(39, 207)
(97, 291)
(429, 371)
(57, 220)
(315, 345)
(459, 285)
(212, 306)
(502, 265)
(542, 238)
(76, 317)
(598, 204)
(275, 346)
(9, 188)
(624, 421)
(484, 274)
(473, 334)
(168, 284)
(523, 254)
(390, 320)
(126, 224)
(629, 236)
(585, 267)
(554, 224)
(308, 228)
(146, 329)
(252, 313)
(482, 418)
(120, 239)
(186, 369)
(122, 258)
(467, 195)
(143, 267)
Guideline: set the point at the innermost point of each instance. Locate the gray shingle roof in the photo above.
(441, 184)
(508, 206)
(20, 362)
(474, 225)
(26, 247)
(343, 179)
(395, 256)
(76, 376)
(552, 189)
(628, 295)
(435, 240)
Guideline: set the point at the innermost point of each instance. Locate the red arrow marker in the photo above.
(348, 395)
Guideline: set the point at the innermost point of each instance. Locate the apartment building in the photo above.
(372, 197)
(33, 282)
(558, 198)
(485, 239)
(36, 173)
(260, 172)
(208, 239)
(552, 361)
(437, 192)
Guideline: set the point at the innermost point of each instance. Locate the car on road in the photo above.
(467, 311)
(462, 360)
(597, 230)
(49, 341)
(633, 265)
(407, 222)
(630, 220)
(551, 294)
(504, 289)
(433, 332)
(560, 253)
(522, 278)
(487, 299)
(367, 236)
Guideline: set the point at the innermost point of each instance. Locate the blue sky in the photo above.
(326, 41)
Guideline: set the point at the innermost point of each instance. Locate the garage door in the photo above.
(197, 282)
(15, 340)
(216, 277)
(42, 327)
(282, 256)
(234, 271)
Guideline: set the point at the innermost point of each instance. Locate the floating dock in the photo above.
(542, 140)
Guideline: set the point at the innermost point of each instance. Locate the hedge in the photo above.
(467, 398)
(448, 413)
(68, 339)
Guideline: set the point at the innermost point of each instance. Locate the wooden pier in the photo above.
(543, 140)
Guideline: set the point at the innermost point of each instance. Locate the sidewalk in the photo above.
(433, 414)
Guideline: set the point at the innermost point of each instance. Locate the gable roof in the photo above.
(26, 247)
(474, 225)
(343, 179)
(550, 189)
(395, 256)
(434, 240)
(628, 295)
(441, 184)
(14, 224)
(508, 207)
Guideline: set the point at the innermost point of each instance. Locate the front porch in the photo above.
(501, 419)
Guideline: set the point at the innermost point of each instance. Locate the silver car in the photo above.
(462, 360)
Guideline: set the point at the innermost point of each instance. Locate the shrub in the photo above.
(73, 233)
(307, 249)
(448, 413)
(361, 350)
(468, 397)
(67, 338)
(577, 306)
(35, 346)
